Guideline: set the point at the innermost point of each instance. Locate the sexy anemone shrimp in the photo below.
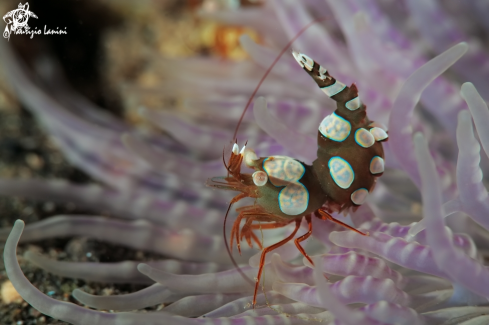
(350, 157)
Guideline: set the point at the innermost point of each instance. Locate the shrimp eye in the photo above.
(260, 178)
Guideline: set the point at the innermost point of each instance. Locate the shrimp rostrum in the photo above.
(350, 157)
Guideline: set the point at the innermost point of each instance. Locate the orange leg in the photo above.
(269, 226)
(238, 198)
(304, 237)
(235, 199)
(247, 230)
(235, 232)
(268, 249)
(256, 240)
(326, 216)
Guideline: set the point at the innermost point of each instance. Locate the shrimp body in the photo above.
(350, 157)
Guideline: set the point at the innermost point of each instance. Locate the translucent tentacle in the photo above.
(460, 268)
(121, 272)
(194, 306)
(460, 313)
(394, 229)
(230, 281)
(295, 308)
(402, 111)
(147, 297)
(473, 194)
(64, 310)
(291, 273)
(352, 289)
(356, 264)
(408, 254)
(391, 313)
(478, 109)
(239, 305)
(338, 309)
(173, 212)
(184, 244)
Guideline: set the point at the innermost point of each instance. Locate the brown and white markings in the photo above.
(349, 159)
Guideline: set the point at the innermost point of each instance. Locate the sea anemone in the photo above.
(413, 268)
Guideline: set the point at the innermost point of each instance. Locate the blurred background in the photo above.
(109, 56)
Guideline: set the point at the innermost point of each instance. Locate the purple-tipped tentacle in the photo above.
(92, 148)
(120, 272)
(61, 191)
(457, 265)
(440, 97)
(78, 315)
(64, 310)
(291, 273)
(478, 109)
(425, 284)
(397, 250)
(141, 234)
(229, 281)
(473, 194)
(147, 297)
(391, 313)
(295, 309)
(239, 305)
(356, 264)
(125, 204)
(394, 229)
(330, 302)
(195, 306)
(352, 289)
(402, 111)
(460, 314)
